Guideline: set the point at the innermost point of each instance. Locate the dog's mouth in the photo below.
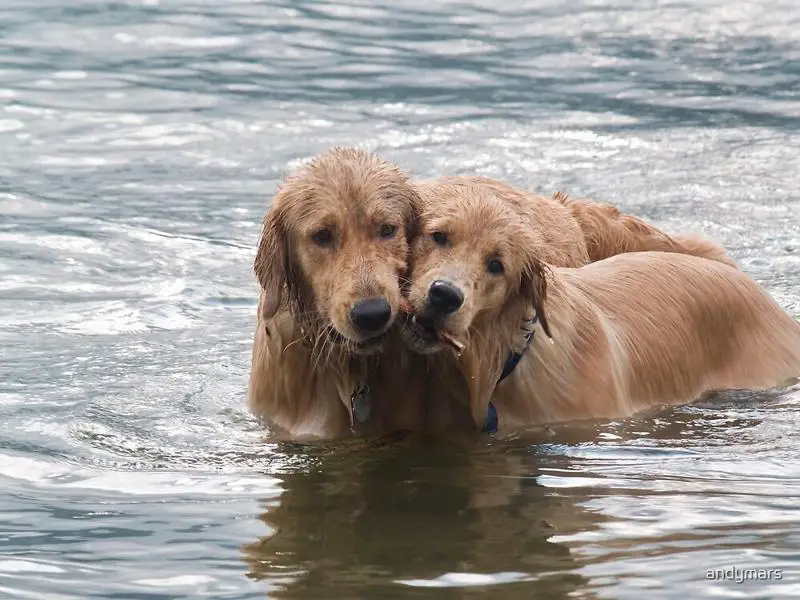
(425, 329)
(425, 335)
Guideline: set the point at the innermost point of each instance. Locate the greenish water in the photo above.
(140, 142)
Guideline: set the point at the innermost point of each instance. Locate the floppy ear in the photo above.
(270, 261)
(534, 286)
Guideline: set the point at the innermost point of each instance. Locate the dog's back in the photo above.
(686, 325)
(647, 329)
(609, 232)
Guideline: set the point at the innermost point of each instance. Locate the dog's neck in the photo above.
(541, 387)
(492, 340)
(378, 392)
(302, 384)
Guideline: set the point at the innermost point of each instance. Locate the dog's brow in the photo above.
(316, 221)
(439, 225)
(381, 215)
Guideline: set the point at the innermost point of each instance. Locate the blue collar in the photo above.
(491, 422)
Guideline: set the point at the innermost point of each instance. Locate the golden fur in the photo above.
(575, 232)
(308, 359)
(628, 332)
(351, 195)
(307, 355)
(607, 232)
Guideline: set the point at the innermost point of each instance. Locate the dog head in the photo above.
(474, 264)
(336, 243)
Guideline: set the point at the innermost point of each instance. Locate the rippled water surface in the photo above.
(140, 142)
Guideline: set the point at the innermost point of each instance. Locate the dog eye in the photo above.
(323, 237)
(495, 267)
(439, 237)
(387, 231)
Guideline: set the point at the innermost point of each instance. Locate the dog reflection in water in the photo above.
(363, 518)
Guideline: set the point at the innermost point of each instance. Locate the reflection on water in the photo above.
(419, 513)
(582, 510)
(140, 142)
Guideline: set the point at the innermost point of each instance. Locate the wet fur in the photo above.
(629, 332)
(608, 232)
(300, 382)
(575, 231)
(564, 232)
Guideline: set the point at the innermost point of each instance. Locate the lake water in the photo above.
(140, 143)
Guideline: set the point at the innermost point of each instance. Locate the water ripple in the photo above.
(141, 141)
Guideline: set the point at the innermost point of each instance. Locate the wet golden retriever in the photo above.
(330, 261)
(604, 340)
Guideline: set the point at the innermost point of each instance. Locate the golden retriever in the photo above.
(331, 262)
(604, 340)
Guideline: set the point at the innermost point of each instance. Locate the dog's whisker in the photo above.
(318, 347)
(292, 343)
(329, 348)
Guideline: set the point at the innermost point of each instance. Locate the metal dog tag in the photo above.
(360, 404)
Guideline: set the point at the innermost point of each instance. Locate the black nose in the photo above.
(445, 297)
(371, 315)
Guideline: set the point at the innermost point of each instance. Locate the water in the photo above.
(140, 143)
